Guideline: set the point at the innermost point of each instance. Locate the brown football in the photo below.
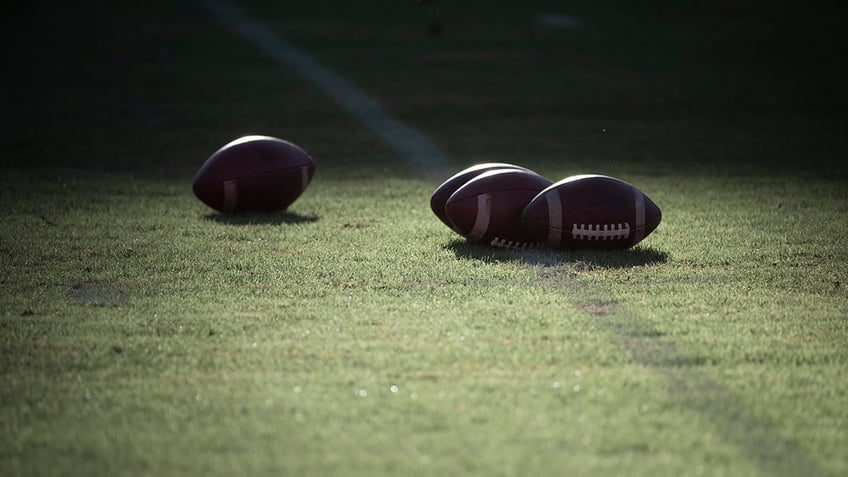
(591, 211)
(488, 208)
(442, 193)
(254, 173)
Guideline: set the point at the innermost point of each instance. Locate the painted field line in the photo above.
(413, 146)
(723, 411)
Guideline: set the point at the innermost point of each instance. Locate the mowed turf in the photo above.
(143, 333)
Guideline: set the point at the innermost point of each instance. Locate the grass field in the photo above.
(142, 333)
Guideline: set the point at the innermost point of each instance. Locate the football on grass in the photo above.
(254, 173)
(443, 192)
(488, 208)
(591, 211)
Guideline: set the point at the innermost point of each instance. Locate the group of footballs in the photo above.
(508, 206)
(501, 205)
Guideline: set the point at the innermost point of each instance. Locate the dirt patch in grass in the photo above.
(97, 294)
(600, 308)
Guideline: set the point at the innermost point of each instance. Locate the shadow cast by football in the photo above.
(632, 257)
(260, 218)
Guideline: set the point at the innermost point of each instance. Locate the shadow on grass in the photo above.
(632, 257)
(260, 218)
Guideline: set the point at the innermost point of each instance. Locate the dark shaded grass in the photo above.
(266, 218)
(719, 89)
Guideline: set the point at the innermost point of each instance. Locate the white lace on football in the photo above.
(513, 245)
(600, 231)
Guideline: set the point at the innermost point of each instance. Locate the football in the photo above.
(488, 208)
(254, 173)
(443, 192)
(591, 211)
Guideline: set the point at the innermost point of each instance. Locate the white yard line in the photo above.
(413, 146)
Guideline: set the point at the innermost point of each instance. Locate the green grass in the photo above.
(142, 333)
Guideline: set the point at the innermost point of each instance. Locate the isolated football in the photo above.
(254, 173)
(591, 211)
(488, 208)
(442, 193)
